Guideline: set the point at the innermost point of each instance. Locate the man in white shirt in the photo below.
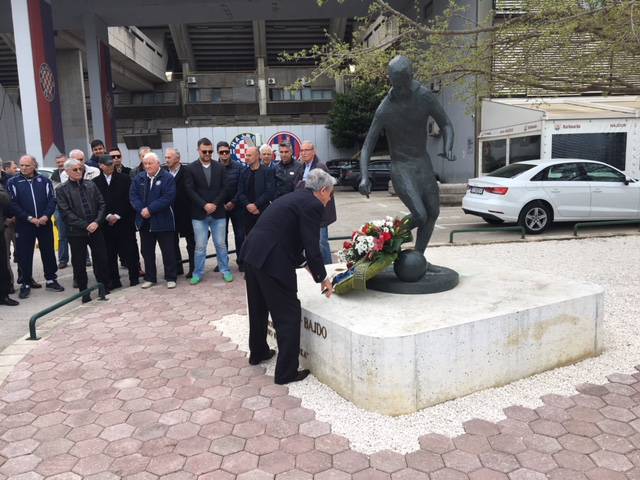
(89, 172)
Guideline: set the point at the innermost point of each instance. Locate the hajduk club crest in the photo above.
(239, 146)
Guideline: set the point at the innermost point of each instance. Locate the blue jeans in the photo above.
(63, 243)
(325, 249)
(218, 233)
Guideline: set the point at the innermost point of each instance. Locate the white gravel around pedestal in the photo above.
(613, 263)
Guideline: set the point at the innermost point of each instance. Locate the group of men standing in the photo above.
(99, 205)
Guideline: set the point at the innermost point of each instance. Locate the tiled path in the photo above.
(142, 387)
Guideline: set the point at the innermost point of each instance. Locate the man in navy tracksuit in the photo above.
(33, 203)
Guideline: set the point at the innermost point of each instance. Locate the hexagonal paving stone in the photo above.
(117, 432)
(276, 462)
(313, 461)
(331, 443)
(192, 446)
(436, 443)
(227, 445)
(165, 464)
(240, 462)
(611, 460)
(203, 463)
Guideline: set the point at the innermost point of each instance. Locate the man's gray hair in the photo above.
(151, 156)
(175, 150)
(71, 163)
(265, 147)
(30, 157)
(319, 179)
(143, 149)
(75, 153)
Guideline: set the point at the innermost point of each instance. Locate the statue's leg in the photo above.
(431, 199)
(408, 190)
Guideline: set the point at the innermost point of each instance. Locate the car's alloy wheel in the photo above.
(535, 217)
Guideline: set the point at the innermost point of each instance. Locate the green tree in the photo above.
(540, 47)
(352, 113)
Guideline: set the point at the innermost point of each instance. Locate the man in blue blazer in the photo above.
(152, 194)
(256, 188)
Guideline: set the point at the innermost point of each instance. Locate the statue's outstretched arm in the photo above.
(442, 119)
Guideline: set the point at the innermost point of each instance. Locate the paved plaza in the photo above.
(148, 386)
(145, 387)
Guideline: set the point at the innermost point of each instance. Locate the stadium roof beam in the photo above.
(182, 42)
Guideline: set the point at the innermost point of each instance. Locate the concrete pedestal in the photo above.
(396, 354)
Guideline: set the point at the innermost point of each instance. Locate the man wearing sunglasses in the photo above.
(116, 156)
(205, 184)
(83, 210)
(233, 212)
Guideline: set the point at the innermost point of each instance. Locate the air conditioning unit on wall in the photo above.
(192, 80)
(250, 82)
(271, 81)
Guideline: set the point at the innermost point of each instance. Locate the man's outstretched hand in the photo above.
(365, 187)
(326, 288)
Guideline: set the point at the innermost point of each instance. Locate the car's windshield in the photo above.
(511, 171)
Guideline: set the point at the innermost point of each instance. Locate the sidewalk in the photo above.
(143, 387)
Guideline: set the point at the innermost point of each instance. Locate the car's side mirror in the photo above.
(628, 180)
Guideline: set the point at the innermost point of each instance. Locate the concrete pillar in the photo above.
(260, 49)
(100, 84)
(262, 85)
(37, 75)
(72, 96)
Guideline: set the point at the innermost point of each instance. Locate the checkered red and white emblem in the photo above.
(108, 104)
(47, 82)
(240, 144)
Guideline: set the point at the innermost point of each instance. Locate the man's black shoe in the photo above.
(189, 275)
(217, 268)
(86, 298)
(133, 283)
(10, 302)
(55, 286)
(301, 375)
(25, 291)
(35, 284)
(256, 361)
(115, 286)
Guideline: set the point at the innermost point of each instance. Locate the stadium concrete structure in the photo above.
(132, 71)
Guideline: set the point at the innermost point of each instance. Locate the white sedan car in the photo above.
(536, 193)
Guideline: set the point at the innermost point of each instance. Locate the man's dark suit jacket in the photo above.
(201, 193)
(265, 187)
(182, 203)
(288, 227)
(116, 197)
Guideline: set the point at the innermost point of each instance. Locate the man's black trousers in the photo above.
(5, 275)
(265, 295)
(191, 248)
(78, 246)
(166, 240)
(26, 235)
(121, 241)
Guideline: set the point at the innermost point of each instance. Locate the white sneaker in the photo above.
(171, 284)
(147, 285)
